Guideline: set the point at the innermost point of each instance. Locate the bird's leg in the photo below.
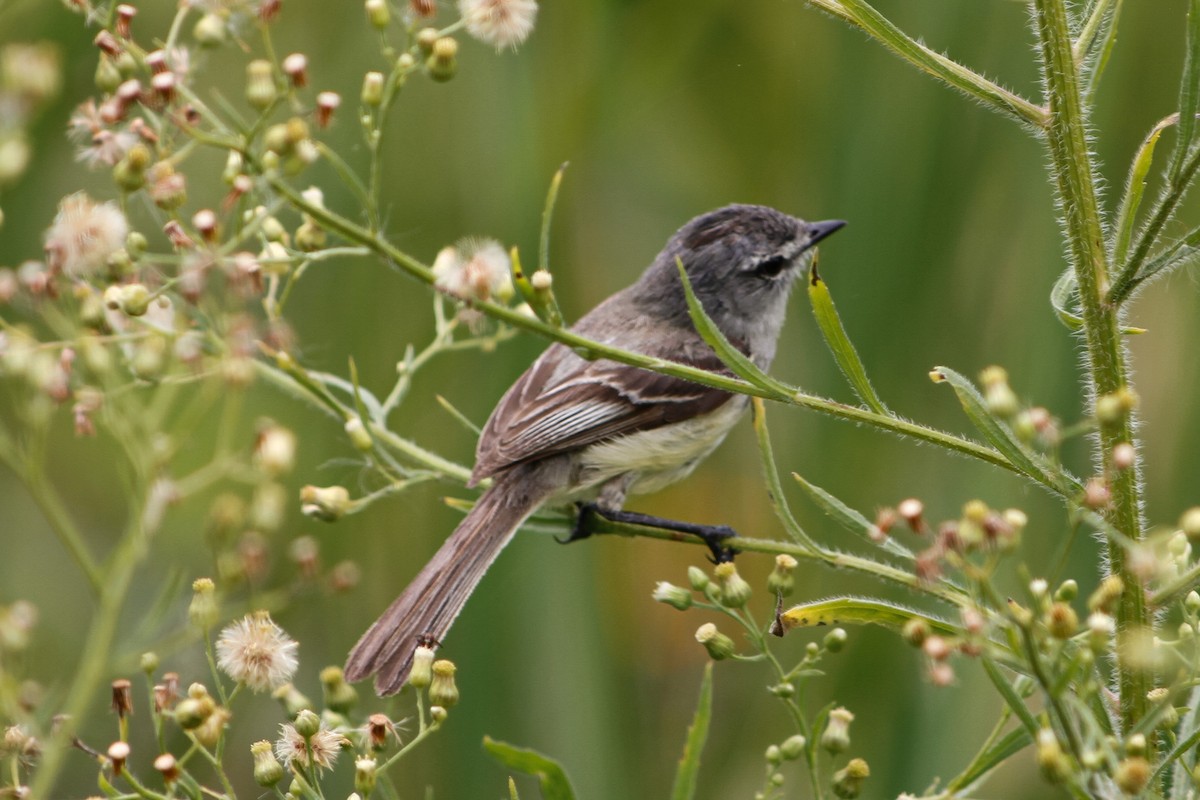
(712, 535)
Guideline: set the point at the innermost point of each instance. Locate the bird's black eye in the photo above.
(771, 267)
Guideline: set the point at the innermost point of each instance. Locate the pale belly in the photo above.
(659, 457)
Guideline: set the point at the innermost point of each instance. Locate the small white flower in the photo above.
(503, 23)
(474, 269)
(84, 235)
(257, 652)
(322, 750)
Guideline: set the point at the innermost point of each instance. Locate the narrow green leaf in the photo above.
(771, 474)
(1189, 93)
(839, 343)
(1010, 695)
(850, 519)
(1181, 253)
(861, 611)
(1011, 743)
(997, 433)
(735, 359)
(1135, 187)
(550, 775)
(547, 216)
(883, 30)
(689, 762)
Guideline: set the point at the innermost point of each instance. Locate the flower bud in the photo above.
(1124, 455)
(442, 689)
(372, 89)
(1107, 593)
(793, 747)
(359, 437)
(835, 640)
(426, 37)
(1055, 765)
(1192, 601)
(292, 700)
(203, 612)
(364, 775)
(267, 769)
(339, 695)
(1132, 775)
(674, 596)
(378, 14)
(1067, 591)
(328, 503)
(443, 59)
(421, 673)
(191, 713)
(848, 781)
(108, 77)
(1101, 628)
(773, 756)
(915, 631)
(912, 511)
(999, 396)
(1189, 523)
(437, 715)
(836, 737)
(698, 578)
(168, 767)
(735, 591)
(718, 645)
(1061, 620)
(209, 30)
(295, 66)
(307, 723)
(260, 84)
(148, 662)
(780, 582)
(327, 103)
(118, 753)
(1169, 715)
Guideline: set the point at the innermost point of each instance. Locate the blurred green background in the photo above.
(664, 110)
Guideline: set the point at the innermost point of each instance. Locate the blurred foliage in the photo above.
(663, 110)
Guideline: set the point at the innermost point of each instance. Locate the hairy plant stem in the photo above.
(1106, 369)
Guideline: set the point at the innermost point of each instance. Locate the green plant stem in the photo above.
(1107, 373)
(94, 654)
(833, 558)
(592, 349)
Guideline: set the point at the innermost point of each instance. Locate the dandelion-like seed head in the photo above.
(84, 234)
(322, 747)
(474, 269)
(257, 652)
(502, 23)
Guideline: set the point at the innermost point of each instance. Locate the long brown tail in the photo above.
(429, 605)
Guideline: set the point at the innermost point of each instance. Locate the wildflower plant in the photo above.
(156, 306)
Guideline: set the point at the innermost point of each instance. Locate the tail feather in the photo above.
(429, 605)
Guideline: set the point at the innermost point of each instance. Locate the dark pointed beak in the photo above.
(819, 230)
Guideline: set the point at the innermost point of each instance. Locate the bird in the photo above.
(592, 432)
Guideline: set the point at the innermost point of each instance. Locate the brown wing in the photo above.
(564, 402)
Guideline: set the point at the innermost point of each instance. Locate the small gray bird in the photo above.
(571, 430)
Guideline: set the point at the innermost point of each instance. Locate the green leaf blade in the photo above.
(552, 778)
(839, 343)
(689, 763)
(850, 519)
